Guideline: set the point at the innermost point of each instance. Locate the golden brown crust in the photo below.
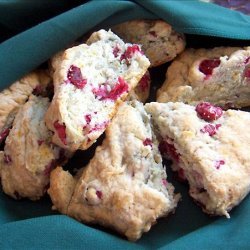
(62, 185)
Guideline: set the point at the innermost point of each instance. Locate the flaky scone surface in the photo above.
(220, 76)
(213, 156)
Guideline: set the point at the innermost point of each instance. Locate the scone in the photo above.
(220, 76)
(29, 155)
(210, 148)
(16, 95)
(140, 92)
(90, 83)
(124, 186)
(159, 41)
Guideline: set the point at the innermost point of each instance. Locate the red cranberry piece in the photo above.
(37, 90)
(208, 112)
(116, 51)
(143, 84)
(148, 142)
(99, 194)
(207, 66)
(88, 118)
(247, 72)
(4, 134)
(210, 129)
(7, 159)
(169, 149)
(61, 131)
(115, 93)
(130, 51)
(152, 33)
(49, 167)
(181, 175)
(118, 90)
(247, 60)
(101, 92)
(219, 163)
(164, 182)
(75, 77)
(40, 142)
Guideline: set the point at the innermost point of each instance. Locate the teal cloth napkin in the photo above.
(33, 225)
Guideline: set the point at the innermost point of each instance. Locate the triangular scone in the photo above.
(29, 155)
(16, 95)
(124, 186)
(210, 148)
(220, 76)
(90, 83)
(159, 40)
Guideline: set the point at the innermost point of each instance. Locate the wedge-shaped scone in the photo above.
(210, 148)
(159, 41)
(29, 155)
(124, 186)
(220, 76)
(16, 95)
(90, 83)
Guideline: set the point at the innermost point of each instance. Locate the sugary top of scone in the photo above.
(160, 42)
(124, 186)
(219, 75)
(29, 155)
(16, 95)
(213, 142)
(91, 81)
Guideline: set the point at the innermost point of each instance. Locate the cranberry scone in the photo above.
(210, 148)
(29, 156)
(160, 42)
(16, 95)
(91, 81)
(124, 186)
(220, 75)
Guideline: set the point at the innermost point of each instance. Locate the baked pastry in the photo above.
(220, 76)
(124, 186)
(209, 149)
(16, 95)
(159, 41)
(29, 155)
(140, 92)
(90, 83)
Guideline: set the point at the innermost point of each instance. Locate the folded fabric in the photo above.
(29, 225)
